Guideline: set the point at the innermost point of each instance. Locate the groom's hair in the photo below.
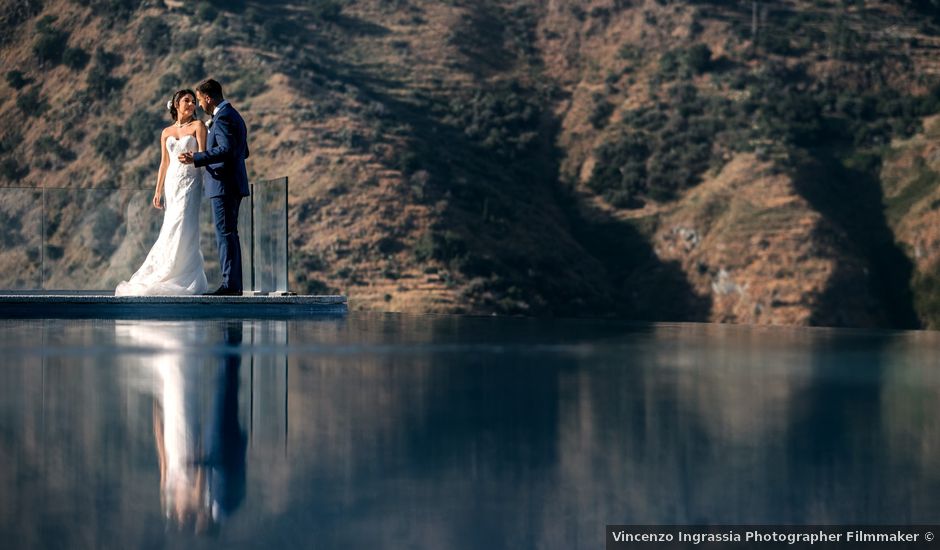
(212, 89)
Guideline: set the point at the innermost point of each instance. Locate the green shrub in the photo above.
(698, 58)
(665, 148)
(154, 35)
(275, 30)
(101, 84)
(10, 141)
(443, 246)
(143, 128)
(115, 9)
(107, 60)
(251, 84)
(600, 111)
(630, 52)
(206, 12)
(50, 42)
(186, 41)
(75, 58)
(327, 10)
(670, 64)
(110, 145)
(16, 79)
(685, 62)
(192, 67)
(502, 120)
(407, 162)
(168, 84)
(15, 15)
(11, 170)
(31, 103)
(99, 80)
(215, 37)
(620, 171)
(47, 145)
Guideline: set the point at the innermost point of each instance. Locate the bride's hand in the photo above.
(157, 203)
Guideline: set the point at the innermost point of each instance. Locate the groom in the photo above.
(226, 180)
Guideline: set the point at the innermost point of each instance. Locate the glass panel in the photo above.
(20, 239)
(92, 239)
(96, 238)
(270, 235)
(245, 236)
(210, 248)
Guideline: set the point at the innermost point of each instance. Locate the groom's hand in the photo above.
(186, 158)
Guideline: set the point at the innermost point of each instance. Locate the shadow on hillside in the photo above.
(493, 235)
(647, 288)
(852, 200)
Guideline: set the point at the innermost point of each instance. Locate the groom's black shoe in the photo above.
(222, 291)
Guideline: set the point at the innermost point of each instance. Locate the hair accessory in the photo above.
(169, 105)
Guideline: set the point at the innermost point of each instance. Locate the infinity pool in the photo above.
(390, 431)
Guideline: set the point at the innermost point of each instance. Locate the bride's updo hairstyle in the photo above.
(172, 105)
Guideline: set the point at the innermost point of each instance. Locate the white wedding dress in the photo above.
(175, 264)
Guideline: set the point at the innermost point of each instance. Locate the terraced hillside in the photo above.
(684, 160)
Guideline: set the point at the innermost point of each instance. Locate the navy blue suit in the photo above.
(225, 184)
(225, 441)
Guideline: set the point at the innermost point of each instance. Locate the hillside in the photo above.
(700, 160)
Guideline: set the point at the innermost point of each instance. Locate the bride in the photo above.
(175, 264)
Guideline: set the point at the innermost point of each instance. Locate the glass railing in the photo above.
(89, 240)
(21, 246)
(269, 236)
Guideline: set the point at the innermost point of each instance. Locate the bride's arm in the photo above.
(201, 133)
(161, 175)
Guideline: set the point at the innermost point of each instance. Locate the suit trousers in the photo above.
(225, 215)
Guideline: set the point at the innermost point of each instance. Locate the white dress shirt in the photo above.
(219, 107)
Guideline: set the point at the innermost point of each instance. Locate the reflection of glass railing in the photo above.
(92, 239)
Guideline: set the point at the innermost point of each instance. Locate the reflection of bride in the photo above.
(201, 452)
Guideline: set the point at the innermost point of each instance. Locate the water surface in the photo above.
(389, 431)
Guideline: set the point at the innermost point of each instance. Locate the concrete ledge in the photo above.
(97, 306)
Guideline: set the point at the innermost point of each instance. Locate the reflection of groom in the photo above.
(226, 180)
(226, 442)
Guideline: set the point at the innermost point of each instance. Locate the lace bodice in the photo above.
(175, 264)
(175, 145)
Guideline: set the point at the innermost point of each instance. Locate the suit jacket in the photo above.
(225, 154)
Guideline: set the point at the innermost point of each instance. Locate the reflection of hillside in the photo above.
(75, 463)
(678, 428)
(911, 397)
(449, 432)
(430, 437)
(728, 425)
(766, 377)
